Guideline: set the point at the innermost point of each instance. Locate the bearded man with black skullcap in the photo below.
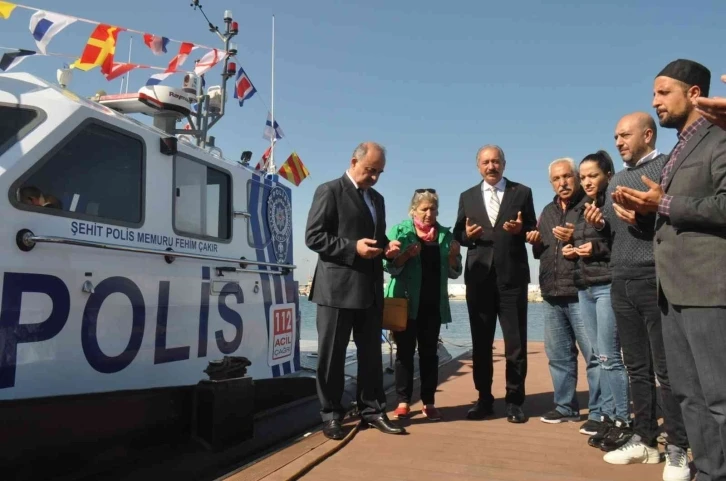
(690, 256)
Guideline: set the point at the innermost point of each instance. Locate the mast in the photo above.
(203, 120)
(128, 74)
(271, 165)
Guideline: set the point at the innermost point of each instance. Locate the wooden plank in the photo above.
(460, 449)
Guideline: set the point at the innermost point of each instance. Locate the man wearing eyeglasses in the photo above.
(493, 218)
(347, 228)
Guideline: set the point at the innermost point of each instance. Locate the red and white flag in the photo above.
(184, 50)
(119, 68)
(263, 161)
(209, 60)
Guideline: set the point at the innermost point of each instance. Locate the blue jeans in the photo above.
(564, 328)
(597, 314)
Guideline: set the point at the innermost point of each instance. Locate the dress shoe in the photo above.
(384, 425)
(333, 430)
(515, 414)
(481, 410)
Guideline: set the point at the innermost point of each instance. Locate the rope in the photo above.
(65, 55)
(466, 346)
(94, 22)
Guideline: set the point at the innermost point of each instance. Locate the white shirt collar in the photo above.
(645, 159)
(500, 186)
(355, 184)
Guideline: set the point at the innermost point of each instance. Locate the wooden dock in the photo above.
(456, 448)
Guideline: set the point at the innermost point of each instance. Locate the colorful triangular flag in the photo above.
(12, 59)
(293, 169)
(155, 43)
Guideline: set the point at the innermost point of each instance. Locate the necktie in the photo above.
(363, 198)
(493, 207)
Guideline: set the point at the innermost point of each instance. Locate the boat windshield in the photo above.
(14, 122)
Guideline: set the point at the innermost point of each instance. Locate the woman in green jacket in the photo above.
(429, 257)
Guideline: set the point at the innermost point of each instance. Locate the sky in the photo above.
(432, 81)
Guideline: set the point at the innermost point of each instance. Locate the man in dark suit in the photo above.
(690, 255)
(493, 218)
(347, 228)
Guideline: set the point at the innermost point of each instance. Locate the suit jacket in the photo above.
(496, 247)
(690, 244)
(338, 218)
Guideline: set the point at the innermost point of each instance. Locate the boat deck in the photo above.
(456, 448)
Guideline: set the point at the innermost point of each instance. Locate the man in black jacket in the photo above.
(552, 245)
(347, 228)
(492, 219)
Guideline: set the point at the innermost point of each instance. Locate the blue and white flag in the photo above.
(45, 25)
(157, 78)
(267, 134)
(12, 59)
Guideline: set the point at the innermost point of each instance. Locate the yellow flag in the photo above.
(6, 8)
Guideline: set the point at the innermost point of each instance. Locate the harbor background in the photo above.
(456, 335)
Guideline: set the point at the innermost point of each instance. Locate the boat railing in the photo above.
(26, 241)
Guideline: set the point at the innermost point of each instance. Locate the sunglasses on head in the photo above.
(421, 191)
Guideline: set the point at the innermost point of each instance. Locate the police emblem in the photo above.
(279, 220)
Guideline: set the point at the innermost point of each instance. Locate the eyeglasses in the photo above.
(421, 191)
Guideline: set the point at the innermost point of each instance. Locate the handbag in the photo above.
(395, 313)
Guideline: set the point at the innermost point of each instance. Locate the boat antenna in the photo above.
(206, 119)
(271, 166)
(212, 28)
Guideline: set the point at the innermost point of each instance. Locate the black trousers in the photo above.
(425, 331)
(638, 319)
(486, 301)
(695, 338)
(334, 327)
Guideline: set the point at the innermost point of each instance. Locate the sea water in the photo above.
(456, 335)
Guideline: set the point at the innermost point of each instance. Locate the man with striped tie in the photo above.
(493, 218)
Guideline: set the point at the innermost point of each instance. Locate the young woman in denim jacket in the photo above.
(593, 279)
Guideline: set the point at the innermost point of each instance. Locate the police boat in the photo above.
(146, 284)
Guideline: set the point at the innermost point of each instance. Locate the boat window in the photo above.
(201, 199)
(14, 123)
(96, 174)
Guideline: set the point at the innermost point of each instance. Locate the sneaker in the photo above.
(430, 411)
(603, 429)
(676, 465)
(556, 417)
(632, 452)
(401, 412)
(618, 435)
(590, 427)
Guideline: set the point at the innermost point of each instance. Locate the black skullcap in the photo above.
(689, 72)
